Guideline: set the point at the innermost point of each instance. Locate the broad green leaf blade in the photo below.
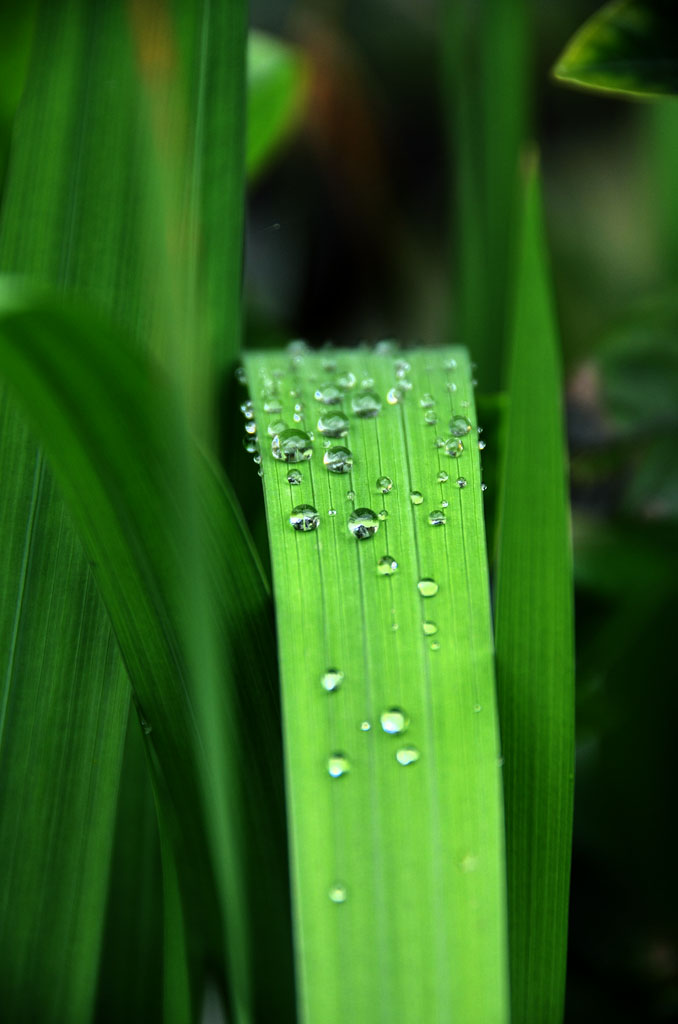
(277, 87)
(628, 47)
(485, 64)
(397, 839)
(534, 641)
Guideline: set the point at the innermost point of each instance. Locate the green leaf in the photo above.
(186, 597)
(277, 89)
(628, 47)
(534, 641)
(416, 849)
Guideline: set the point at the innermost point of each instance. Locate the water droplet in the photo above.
(337, 765)
(416, 497)
(453, 447)
(338, 459)
(256, 458)
(386, 565)
(385, 484)
(365, 726)
(328, 394)
(407, 755)
(477, 707)
(240, 375)
(331, 511)
(437, 517)
(444, 504)
(304, 518)
(451, 364)
(366, 405)
(405, 385)
(250, 444)
(482, 445)
(427, 401)
(483, 487)
(363, 523)
(333, 425)
(247, 409)
(272, 406)
(350, 495)
(435, 645)
(276, 427)
(367, 383)
(382, 514)
(394, 721)
(427, 587)
(338, 893)
(462, 481)
(443, 477)
(294, 477)
(402, 367)
(385, 347)
(439, 442)
(346, 381)
(451, 386)
(332, 680)
(431, 417)
(292, 446)
(430, 628)
(393, 396)
(460, 426)
(250, 427)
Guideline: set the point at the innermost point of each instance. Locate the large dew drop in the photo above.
(460, 426)
(304, 518)
(394, 721)
(338, 459)
(453, 447)
(366, 405)
(334, 424)
(363, 523)
(427, 587)
(332, 680)
(292, 446)
(337, 765)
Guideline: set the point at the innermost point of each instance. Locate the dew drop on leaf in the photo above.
(427, 587)
(292, 446)
(304, 518)
(294, 477)
(443, 477)
(462, 481)
(382, 514)
(483, 487)
(430, 417)
(482, 445)
(346, 381)
(338, 893)
(416, 497)
(363, 523)
(453, 447)
(332, 679)
(429, 628)
(384, 484)
(331, 511)
(338, 459)
(394, 721)
(366, 405)
(386, 565)
(277, 427)
(365, 726)
(460, 426)
(427, 401)
(272, 406)
(337, 765)
(437, 517)
(328, 394)
(334, 424)
(393, 396)
(407, 755)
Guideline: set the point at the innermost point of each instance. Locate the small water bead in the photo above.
(385, 346)
(405, 384)
(430, 417)
(437, 517)
(416, 497)
(292, 446)
(346, 381)
(240, 375)
(294, 477)
(365, 726)
(350, 495)
(435, 645)
(394, 396)
(451, 364)
(250, 427)
(338, 893)
(338, 459)
(273, 406)
(247, 409)
(337, 765)
(407, 755)
(429, 628)
(394, 721)
(462, 481)
(331, 511)
(427, 587)
(297, 417)
(256, 458)
(465, 404)
(483, 487)
(384, 484)
(382, 514)
(332, 680)
(477, 708)
(439, 442)
(454, 447)
(443, 477)
(328, 394)
(386, 565)
(276, 427)
(402, 368)
(304, 518)
(427, 401)
(366, 405)
(482, 445)
(250, 444)
(333, 425)
(444, 504)
(460, 426)
(451, 386)
(363, 523)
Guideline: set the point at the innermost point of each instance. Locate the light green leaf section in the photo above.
(129, 482)
(398, 869)
(628, 47)
(534, 641)
(278, 78)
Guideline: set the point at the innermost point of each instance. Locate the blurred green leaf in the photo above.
(628, 47)
(277, 88)
(535, 641)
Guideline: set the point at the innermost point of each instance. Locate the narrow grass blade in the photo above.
(485, 60)
(211, 739)
(628, 47)
(395, 816)
(277, 88)
(534, 641)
